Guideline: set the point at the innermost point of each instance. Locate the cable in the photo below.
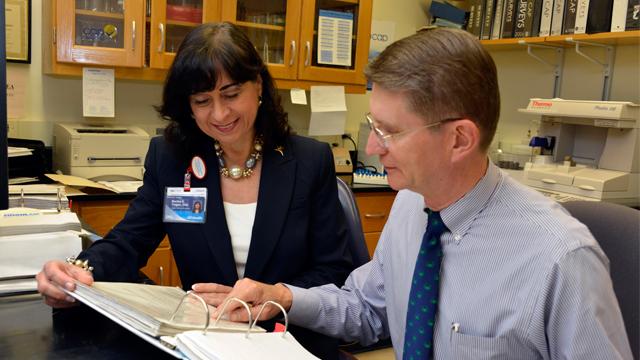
(346, 136)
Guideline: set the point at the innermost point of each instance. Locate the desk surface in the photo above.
(30, 330)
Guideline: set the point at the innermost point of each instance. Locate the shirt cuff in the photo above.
(305, 305)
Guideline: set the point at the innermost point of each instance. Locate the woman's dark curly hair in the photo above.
(205, 53)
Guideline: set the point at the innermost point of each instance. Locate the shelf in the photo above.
(609, 38)
(259, 26)
(101, 14)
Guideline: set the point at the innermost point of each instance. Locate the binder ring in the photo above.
(204, 304)
(286, 317)
(246, 306)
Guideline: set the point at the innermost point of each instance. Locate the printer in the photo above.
(108, 153)
(597, 150)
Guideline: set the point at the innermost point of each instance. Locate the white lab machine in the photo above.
(602, 141)
(100, 152)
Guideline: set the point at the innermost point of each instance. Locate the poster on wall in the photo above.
(382, 34)
(18, 30)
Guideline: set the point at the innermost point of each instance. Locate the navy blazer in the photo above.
(299, 235)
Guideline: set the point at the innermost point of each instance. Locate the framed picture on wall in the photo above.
(18, 30)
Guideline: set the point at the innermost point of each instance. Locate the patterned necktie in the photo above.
(423, 298)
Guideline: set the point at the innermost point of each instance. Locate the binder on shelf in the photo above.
(545, 18)
(619, 15)
(599, 18)
(509, 18)
(489, 13)
(537, 17)
(557, 18)
(633, 15)
(581, 17)
(570, 13)
(524, 18)
(496, 28)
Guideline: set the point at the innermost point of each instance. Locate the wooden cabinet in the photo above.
(139, 38)
(170, 22)
(103, 215)
(286, 34)
(100, 32)
(374, 210)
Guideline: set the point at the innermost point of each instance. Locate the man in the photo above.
(509, 273)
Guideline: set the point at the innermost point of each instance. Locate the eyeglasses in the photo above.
(384, 139)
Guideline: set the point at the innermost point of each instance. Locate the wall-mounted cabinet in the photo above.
(306, 42)
(140, 38)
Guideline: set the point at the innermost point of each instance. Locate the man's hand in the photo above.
(56, 274)
(255, 294)
(213, 294)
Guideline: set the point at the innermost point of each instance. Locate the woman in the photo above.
(270, 209)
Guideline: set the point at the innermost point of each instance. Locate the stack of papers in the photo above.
(38, 196)
(22, 256)
(18, 151)
(19, 221)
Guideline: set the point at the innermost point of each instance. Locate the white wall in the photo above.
(56, 99)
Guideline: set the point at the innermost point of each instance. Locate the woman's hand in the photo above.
(213, 294)
(57, 274)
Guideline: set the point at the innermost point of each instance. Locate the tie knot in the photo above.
(435, 225)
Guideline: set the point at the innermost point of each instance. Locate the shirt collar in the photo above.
(459, 216)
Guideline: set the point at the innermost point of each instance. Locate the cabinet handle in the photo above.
(307, 57)
(374, 216)
(162, 39)
(293, 52)
(161, 270)
(133, 35)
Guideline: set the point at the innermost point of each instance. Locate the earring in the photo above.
(259, 100)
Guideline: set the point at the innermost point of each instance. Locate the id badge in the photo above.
(182, 206)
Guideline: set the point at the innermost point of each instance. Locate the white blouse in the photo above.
(240, 218)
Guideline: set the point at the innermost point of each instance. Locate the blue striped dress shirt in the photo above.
(520, 279)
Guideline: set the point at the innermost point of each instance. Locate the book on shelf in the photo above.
(545, 18)
(619, 15)
(446, 11)
(509, 18)
(496, 27)
(599, 17)
(633, 15)
(440, 22)
(171, 320)
(537, 17)
(581, 17)
(523, 19)
(570, 13)
(489, 14)
(557, 18)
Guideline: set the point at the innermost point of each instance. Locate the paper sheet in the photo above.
(298, 96)
(335, 30)
(77, 181)
(328, 110)
(98, 92)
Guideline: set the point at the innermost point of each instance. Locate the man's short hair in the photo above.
(445, 73)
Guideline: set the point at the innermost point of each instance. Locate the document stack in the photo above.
(19, 221)
(38, 196)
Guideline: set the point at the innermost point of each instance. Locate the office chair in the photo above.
(617, 230)
(357, 245)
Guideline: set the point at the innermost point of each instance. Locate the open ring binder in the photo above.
(204, 304)
(286, 317)
(246, 306)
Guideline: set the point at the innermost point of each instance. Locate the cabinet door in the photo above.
(171, 21)
(272, 27)
(101, 32)
(343, 28)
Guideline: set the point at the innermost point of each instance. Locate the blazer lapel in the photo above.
(215, 229)
(276, 188)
